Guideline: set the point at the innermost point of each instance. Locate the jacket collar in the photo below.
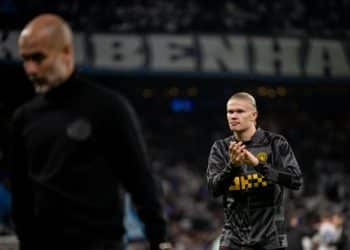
(257, 139)
(65, 90)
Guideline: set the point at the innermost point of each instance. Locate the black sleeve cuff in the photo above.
(276, 176)
(270, 173)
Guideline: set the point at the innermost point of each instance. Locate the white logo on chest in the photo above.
(80, 129)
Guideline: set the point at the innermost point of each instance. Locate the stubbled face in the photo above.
(44, 65)
(241, 115)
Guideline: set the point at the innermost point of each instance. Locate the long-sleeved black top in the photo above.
(73, 151)
(254, 197)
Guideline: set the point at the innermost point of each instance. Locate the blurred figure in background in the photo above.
(74, 145)
(331, 232)
(251, 170)
(339, 224)
(295, 233)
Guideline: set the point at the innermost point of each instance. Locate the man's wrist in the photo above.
(256, 163)
(260, 167)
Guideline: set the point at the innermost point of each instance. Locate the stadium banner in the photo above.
(204, 53)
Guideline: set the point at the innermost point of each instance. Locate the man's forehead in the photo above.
(30, 34)
(30, 40)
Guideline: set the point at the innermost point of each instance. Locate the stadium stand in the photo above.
(296, 17)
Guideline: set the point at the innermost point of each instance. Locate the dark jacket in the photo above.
(254, 197)
(73, 151)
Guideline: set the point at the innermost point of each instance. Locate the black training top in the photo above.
(73, 149)
(254, 197)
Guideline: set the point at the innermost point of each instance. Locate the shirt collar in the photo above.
(257, 138)
(65, 90)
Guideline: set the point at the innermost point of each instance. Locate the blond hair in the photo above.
(245, 96)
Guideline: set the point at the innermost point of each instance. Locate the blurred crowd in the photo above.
(295, 17)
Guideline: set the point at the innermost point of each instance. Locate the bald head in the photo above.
(49, 27)
(46, 46)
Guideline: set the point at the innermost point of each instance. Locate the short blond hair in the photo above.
(245, 96)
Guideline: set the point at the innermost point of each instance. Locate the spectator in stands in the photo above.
(74, 146)
(331, 233)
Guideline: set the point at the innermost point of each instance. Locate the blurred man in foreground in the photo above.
(74, 145)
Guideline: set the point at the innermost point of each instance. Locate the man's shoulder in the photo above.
(93, 87)
(102, 93)
(27, 108)
(223, 142)
(31, 104)
(270, 135)
(107, 99)
(276, 140)
(101, 90)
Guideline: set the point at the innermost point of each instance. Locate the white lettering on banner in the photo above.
(8, 47)
(220, 53)
(119, 52)
(268, 53)
(324, 54)
(290, 56)
(267, 56)
(79, 48)
(172, 53)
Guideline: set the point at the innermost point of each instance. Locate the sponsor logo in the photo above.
(79, 130)
(247, 182)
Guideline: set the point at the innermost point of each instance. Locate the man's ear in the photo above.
(255, 115)
(67, 50)
(67, 53)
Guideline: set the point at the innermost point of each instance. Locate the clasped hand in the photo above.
(239, 155)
